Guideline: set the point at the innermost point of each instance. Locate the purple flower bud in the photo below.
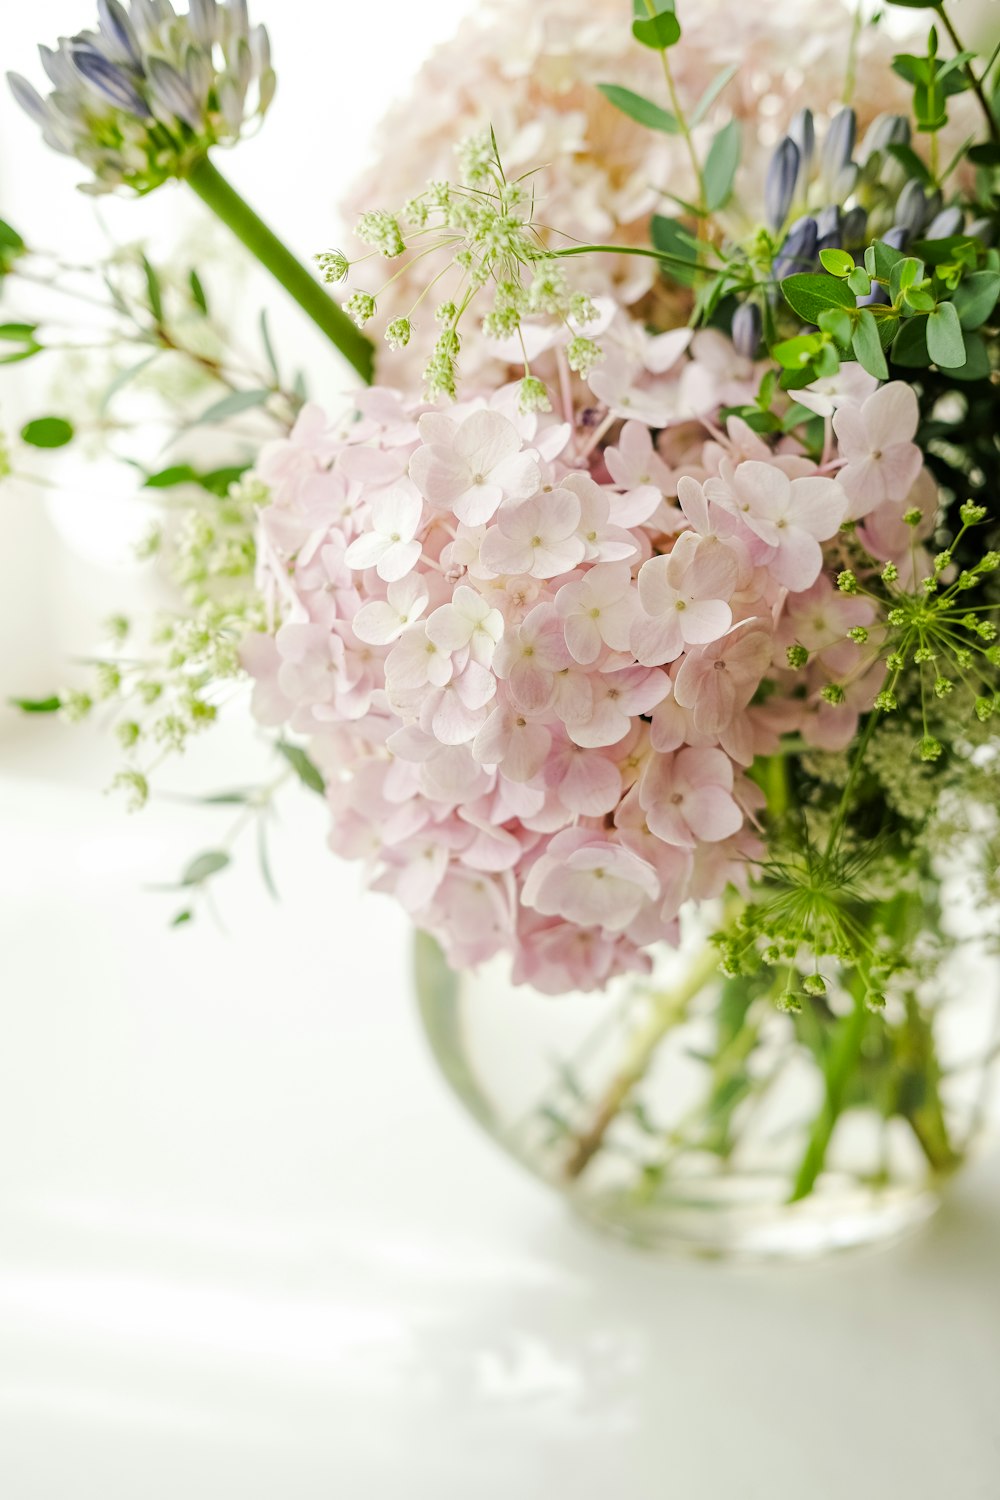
(109, 81)
(204, 21)
(838, 146)
(29, 98)
(171, 93)
(828, 229)
(798, 252)
(117, 30)
(944, 224)
(982, 230)
(802, 131)
(883, 132)
(855, 223)
(911, 207)
(782, 175)
(747, 328)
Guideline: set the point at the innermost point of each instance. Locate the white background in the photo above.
(249, 1249)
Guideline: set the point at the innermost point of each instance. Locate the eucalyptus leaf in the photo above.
(976, 296)
(945, 343)
(721, 163)
(867, 346)
(708, 98)
(124, 377)
(232, 405)
(303, 767)
(808, 293)
(673, 239)
(909, 347)
(837, 262)
(265, 338)
(198, 293)
(977, 360)
(643, 111)
(204, 866)
(153, 290)
(658, 31)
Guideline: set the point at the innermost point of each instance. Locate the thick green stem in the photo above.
(213, 189)
(841, 1062)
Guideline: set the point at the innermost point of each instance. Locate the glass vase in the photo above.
(686, 1111)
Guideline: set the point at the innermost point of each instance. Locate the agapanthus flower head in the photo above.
(142, 98)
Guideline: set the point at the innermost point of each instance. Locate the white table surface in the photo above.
(250, 1249)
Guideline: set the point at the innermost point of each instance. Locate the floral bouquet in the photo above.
(635, 614)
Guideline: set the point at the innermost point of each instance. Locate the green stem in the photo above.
(682, 122)
(840, 1064)
(213, 189)
(661, 255)
(975, 83)
(668, 1010)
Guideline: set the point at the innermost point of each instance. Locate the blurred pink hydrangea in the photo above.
(530, 69)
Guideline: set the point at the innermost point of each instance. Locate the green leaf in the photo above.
(9, 237)
(658, 31)
(797, 353)
(124, 377)
(264, 860)
(37, 705)
(166, 478)
(859, 282)
(673, 239)
(217, 481)
(917, 4)
(644, 111)
(708, 98)
(977, 360)
(880, 259)
(22, 334)
(48, 432)
(913, 165)
(837, 322)
(809, 292)
(182, 918)
(945, 344)
(232, 405)
(153, 290)
(985, 154)
(265, 338)
(719, 171)
(957, 247)
(303, 767)
(204, 866)
(837, 262)
(18, 333)
(867, 346)
(909, 347)
(198, 293)
(976, 296)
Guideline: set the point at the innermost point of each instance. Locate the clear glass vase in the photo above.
(684, 1111)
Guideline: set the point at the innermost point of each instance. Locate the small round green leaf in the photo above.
(48, 432)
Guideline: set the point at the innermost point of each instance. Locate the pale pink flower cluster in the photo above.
(534, 657)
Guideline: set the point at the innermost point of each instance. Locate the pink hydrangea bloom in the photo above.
(876, 440)
(530, 680)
